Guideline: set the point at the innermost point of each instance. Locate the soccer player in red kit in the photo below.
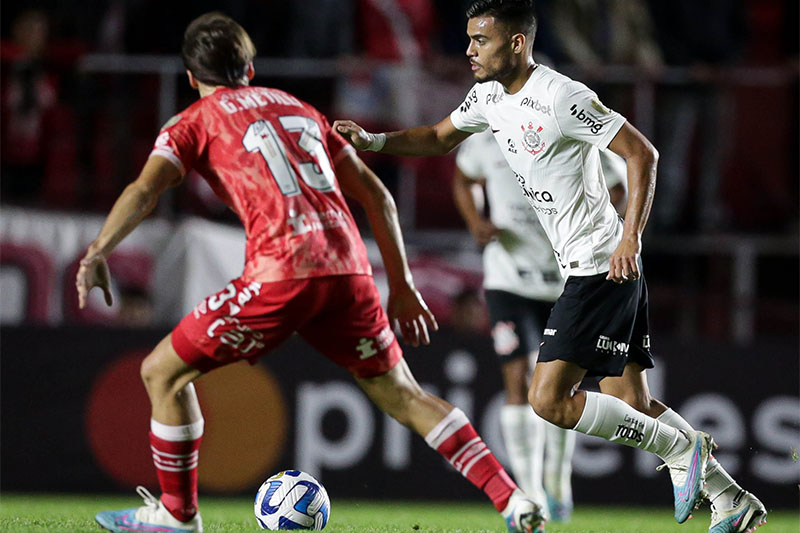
(276, 162)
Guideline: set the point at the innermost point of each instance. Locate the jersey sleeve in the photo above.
(469, 115)
(181, 142)
(468, 158)
(582, 116)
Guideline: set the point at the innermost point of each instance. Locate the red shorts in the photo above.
(340, 316)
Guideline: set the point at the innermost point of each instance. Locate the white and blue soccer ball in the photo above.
(292, 500)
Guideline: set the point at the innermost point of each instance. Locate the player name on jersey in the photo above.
(255, 97)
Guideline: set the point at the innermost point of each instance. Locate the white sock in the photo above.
(188, 432)
(610, 418)
(523, 433)
(722, 488)
(558, 451)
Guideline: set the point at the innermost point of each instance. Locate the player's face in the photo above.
(490, 49)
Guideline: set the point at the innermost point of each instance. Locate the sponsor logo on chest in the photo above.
(534, 104)
(536, 197)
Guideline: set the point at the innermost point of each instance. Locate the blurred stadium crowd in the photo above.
(86, 85)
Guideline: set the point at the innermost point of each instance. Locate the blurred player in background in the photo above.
(278, 164)
(551, 130)
(521, 280)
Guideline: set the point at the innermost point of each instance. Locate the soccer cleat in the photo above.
(559, 511)
(523, 515)
(151, 517)
(688, 472)
(746, 514)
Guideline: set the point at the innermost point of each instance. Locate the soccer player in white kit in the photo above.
(521, 281)
(553, 129)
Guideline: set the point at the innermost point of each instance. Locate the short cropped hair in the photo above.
(519, 15)
(217, 50)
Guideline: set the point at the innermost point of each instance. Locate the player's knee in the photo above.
(148, 372)
(152, 379)
(544, 403)
(156, 381)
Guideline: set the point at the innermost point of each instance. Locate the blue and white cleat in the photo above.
(560, 511)
(745, 515)
(522, 515)
(688, 472)
(152, 517)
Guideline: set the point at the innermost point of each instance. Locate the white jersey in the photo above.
(520, 260)
(615, 170)
(551, 132)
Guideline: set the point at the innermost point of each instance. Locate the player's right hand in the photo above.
(409, 313)
(484, 232)
(93, 272)
(353, 133)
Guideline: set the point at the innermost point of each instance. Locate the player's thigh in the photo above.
(163, 368)
(352, 329)
(244, 321)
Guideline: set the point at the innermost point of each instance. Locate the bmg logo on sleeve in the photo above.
(594, 125)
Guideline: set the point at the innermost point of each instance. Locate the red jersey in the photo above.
(270, 157)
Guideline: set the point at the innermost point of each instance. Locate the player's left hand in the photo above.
(408, 312)
(93, 272)
(624, 262)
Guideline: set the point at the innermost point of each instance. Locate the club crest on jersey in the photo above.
(531, 140)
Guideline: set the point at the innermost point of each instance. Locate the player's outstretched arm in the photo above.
(134, 204)
(406, 307)
(641, 158)
(420, 141)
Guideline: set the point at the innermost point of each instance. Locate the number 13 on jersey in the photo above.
(262, 137)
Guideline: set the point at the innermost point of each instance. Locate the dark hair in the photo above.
(217, 50)
(519, 15)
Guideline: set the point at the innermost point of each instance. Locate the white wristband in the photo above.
(377, 141)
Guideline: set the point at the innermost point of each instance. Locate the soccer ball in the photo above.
(292, 500)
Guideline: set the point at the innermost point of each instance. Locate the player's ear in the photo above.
(250, 71)
(518, 41)
(192, 80)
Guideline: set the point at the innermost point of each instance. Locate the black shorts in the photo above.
(599, 325)
(517, 323)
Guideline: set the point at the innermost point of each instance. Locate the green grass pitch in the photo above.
(66, 513)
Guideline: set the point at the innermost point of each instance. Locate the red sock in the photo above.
(176, 465)
(459, 443)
